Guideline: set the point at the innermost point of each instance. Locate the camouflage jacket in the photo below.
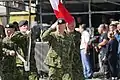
(21, 39)
(59, 54)
(0, 48)
(8, 61)
(7, 45)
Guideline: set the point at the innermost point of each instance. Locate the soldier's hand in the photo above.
(12, 53)
(53, 26)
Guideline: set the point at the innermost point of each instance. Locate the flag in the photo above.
(61, 12)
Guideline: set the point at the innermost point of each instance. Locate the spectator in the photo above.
(113, 27)
(101, 47)
(111, 56)
(85, 37)
(117, 35)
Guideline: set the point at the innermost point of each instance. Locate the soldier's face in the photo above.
(70, 27)
(9, 31)
(61, 27)
(23, 28)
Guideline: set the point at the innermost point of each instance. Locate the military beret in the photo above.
(61, 21)
(10, 26)
(15, 23)
(23, 22)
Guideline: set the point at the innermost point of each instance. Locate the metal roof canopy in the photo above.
(71, 2)
(89, 12)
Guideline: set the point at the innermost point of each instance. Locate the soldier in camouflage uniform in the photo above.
(8, 55)
(59, 57)
(22, 40)
(76, 65)
(2, 34)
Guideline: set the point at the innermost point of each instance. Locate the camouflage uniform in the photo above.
(8, 62)
(21, 40)
(76, 65)
(59, 57)
(0, 57)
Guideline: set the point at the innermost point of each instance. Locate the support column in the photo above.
(89, 6)
(7, 12)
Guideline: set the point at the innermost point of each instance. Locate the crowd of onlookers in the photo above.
(108, 49)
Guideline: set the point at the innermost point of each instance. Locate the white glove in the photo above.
(54, 25)
(28, 33)
(12, 53)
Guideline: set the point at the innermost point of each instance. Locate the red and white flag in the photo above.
(61, 12)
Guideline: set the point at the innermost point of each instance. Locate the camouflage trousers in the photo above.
(8, 66)
(59, 74)
(9, 71)
(77, 70)
(23, 75)
(19, 74)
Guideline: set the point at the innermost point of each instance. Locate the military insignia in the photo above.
(60, 21)
(7, 26)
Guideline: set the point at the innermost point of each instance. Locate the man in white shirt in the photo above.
(85, 37)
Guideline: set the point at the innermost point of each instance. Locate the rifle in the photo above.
(27, 63)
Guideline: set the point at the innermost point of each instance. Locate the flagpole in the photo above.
(40, 13)
(29, 47)
(29, 13)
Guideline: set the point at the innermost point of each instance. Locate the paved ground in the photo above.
(44, 79)
(94, 79)
(86, 79)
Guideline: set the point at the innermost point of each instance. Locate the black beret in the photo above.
(23, 22)
(15, 23)
(61, 21)
(10, 26)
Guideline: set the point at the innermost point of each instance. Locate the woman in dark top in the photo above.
(111, 55)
